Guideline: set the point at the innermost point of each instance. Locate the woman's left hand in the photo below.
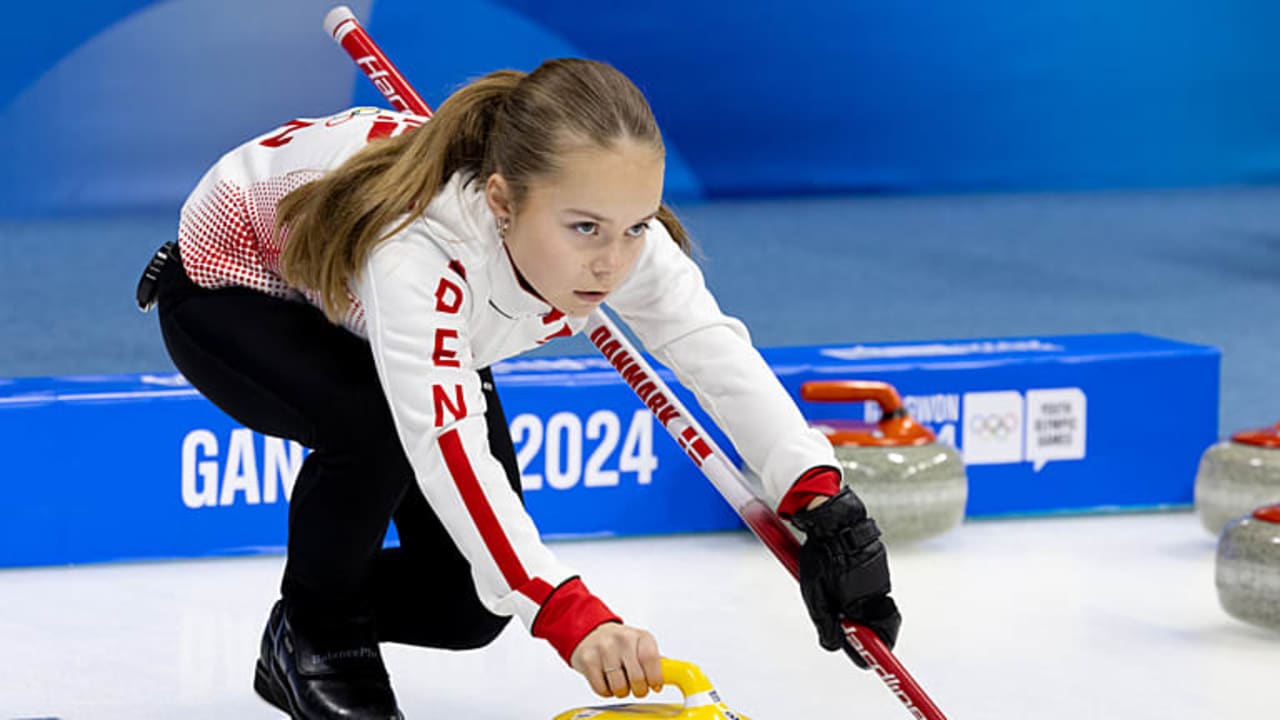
(844, 571)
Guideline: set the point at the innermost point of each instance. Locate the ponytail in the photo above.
(333, 222)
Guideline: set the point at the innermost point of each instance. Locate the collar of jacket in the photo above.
(461, 208)
(509, 294)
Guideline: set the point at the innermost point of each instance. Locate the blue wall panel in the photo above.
(127, 467)
(120, 105)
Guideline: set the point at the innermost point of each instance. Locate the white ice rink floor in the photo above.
(1047, 619)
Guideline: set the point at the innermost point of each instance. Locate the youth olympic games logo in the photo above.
(997, 426)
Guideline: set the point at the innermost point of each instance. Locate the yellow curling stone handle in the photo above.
(701, 701)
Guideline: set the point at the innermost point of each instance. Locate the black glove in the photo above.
(844, 572)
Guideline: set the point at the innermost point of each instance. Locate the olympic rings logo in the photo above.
(996, 425)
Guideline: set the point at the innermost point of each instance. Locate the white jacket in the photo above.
(440, 300)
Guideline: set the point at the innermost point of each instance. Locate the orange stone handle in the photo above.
(896, 426)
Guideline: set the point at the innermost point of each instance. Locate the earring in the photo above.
(503, 224)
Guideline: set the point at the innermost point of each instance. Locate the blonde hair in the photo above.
(505, 122)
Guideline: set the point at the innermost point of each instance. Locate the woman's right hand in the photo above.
(617, 660)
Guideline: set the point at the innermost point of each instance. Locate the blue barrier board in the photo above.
(103, 468)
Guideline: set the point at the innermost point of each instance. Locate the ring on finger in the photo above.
(612, 669)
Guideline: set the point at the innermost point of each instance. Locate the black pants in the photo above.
(281, 368)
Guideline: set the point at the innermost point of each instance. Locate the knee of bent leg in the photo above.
(484, 630)
(462, 633)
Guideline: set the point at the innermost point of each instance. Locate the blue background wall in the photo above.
(111, 110)
(121, 104)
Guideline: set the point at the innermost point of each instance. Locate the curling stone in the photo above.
(913, 487)
(1237, 476)
(701, 701)
(1248, 568)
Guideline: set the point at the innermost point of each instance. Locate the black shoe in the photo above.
(347, 683)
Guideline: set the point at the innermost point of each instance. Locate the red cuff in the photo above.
(822, 481)
(569, 614)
